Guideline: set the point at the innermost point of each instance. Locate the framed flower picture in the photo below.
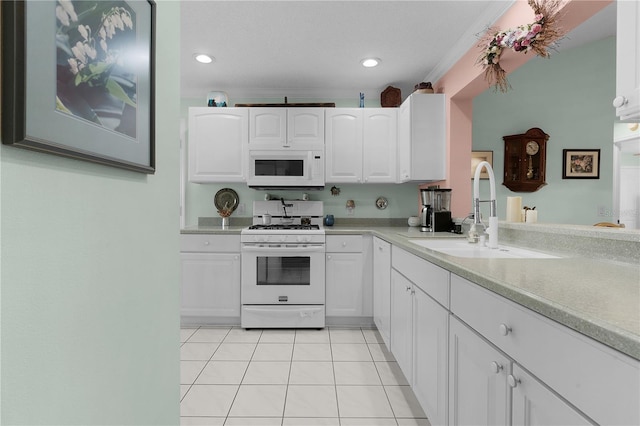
(581, 164)
(78, 80)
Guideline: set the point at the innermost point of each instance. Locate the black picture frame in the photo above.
(104, 112)
(580, 164)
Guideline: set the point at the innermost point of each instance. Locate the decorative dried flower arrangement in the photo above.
(225, 211)
(537, 37)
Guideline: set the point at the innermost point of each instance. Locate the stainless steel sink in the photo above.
(461, 248)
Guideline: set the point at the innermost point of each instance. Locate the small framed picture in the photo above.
(476, 158)
(581, 164)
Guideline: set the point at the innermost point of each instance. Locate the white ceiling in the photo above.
(312, 49)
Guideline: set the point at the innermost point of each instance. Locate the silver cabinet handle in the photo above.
(504, 329)
(495, 367)
(619, 101)
(512, 381)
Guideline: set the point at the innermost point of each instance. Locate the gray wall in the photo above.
(569, 97)
(90, 277)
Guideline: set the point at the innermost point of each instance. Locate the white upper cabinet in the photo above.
(422, 148)
(305, 127)
(343, 145)
(217, 141)
(361, 145)
(627, 100)
(286, 127)
(379, 145)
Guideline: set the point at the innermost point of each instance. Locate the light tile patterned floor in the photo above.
(329, 377)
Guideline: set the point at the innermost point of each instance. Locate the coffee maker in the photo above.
(435, 215)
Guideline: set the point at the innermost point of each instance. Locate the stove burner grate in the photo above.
(285, 227)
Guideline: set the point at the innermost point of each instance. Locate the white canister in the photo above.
(413, 221)
(532, 216)
(266, 219)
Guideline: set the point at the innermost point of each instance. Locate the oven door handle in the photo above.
(283, 248)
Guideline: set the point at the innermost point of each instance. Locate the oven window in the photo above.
(289, 270)
(279, 167)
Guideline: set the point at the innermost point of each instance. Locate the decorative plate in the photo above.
(382, 203)
(226, 198)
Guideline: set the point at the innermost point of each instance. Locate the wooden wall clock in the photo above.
(525, 160)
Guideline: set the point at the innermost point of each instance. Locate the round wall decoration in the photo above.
(382, 203)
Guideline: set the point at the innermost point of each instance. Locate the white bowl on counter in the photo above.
(413, 221)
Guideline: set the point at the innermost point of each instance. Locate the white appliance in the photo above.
(286, 169)
(283, 266)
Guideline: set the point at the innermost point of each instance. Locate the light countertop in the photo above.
(598, 298)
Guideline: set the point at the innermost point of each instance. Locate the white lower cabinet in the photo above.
(401, 322)
(348, 287)
(420, 330)
(210, 279)
(478, 391)
(535, 404)
(473, 357)
(382, 288)
(584, 379)
(430, 363)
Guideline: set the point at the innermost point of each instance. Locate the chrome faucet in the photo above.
(492, 230)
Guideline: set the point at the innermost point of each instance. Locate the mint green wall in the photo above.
(403, 198)
(569, 97)
(90, 277)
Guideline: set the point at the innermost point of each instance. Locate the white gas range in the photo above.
(283, 266)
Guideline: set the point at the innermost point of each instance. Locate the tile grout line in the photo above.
(206, 362)
(243, 375)
(286, 391)
(395, 419)
(335, 381)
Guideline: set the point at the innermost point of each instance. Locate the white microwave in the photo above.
(286, 169)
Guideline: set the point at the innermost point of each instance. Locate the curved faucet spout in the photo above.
(492, 230)
(492, 181)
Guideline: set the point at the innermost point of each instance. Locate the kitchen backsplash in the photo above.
(403, 201)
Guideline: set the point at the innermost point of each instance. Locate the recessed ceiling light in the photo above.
(370, 62)
(203, 58)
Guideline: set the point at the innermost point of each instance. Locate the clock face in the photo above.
(532, 147)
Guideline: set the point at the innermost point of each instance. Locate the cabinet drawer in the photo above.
(598, 380)
(431, 279)
(210, 243)
(344, 243)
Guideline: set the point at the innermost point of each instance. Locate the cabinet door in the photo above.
(423, 138)
(382, 288)
(627, 99)
(305, 127)
(403, 151)
(478, 391)
(430, 356)
(535, 404)
(379, 145)
(217, 140)
(267, 127)
(344, 284)
(343, 145)
(401, 322)
(210, 284)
